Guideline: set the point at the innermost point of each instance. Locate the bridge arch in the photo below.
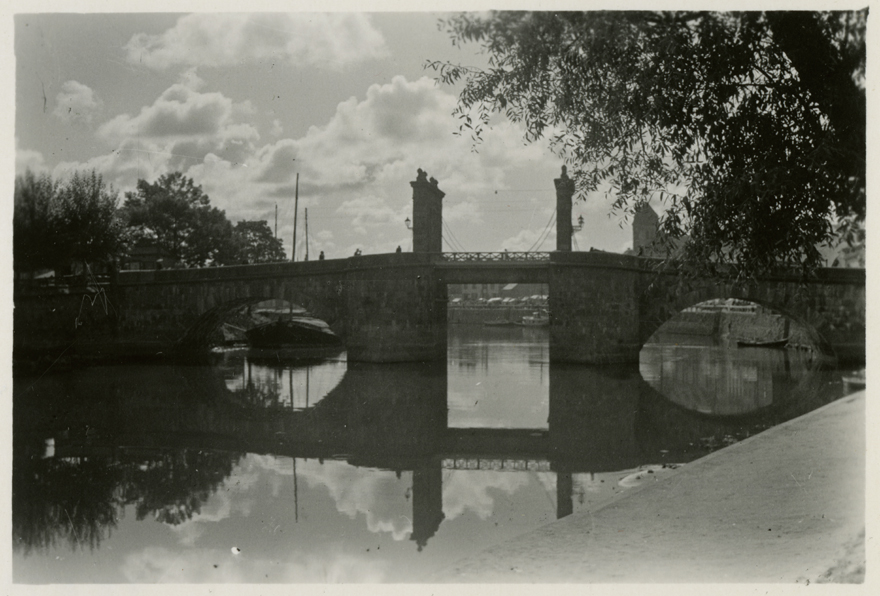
(831, 314)
(199, 334)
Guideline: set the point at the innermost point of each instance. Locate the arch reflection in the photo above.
(163, 439)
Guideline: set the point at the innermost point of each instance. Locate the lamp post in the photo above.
(575, 228)
(408, 223)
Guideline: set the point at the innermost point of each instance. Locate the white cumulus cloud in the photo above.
(355, 168)
(378, 496)
(181, 128)
(216, 39)
(179, 112)
(471, 491)
(369, 212)
(76, 103)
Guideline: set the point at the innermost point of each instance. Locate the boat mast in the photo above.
(295, 210)
(307, 233)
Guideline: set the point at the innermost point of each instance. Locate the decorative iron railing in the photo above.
(493, 257)
(497, 465)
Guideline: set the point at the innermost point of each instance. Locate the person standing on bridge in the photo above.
(321, 256)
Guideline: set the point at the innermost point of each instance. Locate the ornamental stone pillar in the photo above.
(564, 193)
(427, 226)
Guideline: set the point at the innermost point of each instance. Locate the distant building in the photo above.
(645, 229)
(474, 291)
(514, 290)
(648, 240)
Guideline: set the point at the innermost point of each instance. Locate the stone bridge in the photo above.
(387, 308)
(392, 307)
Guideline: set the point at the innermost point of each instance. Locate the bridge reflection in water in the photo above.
(164, 438)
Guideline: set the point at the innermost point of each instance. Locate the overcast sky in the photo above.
(241, 103)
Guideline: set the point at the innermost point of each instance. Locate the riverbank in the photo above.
(479, 315)
(787, 505)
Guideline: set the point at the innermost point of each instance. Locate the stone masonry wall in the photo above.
(395, 313)
(594, 309)
(384, 307)
(159, 311)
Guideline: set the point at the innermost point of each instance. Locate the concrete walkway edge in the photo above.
(785, 505)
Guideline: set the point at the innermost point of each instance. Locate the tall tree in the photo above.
(86, 220)
(255, 243)
(177, 215)
(56, 223)
(211, 241)
(33, 246)
(749, 127)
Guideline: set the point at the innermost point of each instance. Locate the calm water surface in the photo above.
(264, 471)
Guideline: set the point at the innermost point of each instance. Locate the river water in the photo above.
(255, 470)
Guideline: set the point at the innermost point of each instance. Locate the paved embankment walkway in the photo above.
(786, 505)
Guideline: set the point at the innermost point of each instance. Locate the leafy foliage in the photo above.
(55, 223)
(56, 501)
(173, 487)
(32, 241)
(86, 220)
(749, 127)
(255, 243)
(79, 220)
(177, 215)
(79, 501)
